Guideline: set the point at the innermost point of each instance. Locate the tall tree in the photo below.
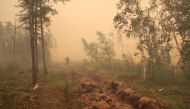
(143, 23)
(176, 17)
(36, 33)
(31, 26)
(35, 14)
(175, 20)
(27, 16)
(120, 40)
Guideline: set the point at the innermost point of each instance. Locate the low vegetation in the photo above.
(55, 91)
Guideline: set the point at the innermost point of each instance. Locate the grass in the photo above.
(55, 91)
(176, 95)
(12, 87)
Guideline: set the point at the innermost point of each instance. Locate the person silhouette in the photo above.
(67, 60)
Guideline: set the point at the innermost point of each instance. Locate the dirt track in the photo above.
(97, 91)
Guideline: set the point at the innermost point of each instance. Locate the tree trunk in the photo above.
(3, 54)
(144, 71)
(43, 43)
(122, 47)
(36, 39)
(34, 73)
(143, 60)
(36, 53)
(178, 48)
(14, 44)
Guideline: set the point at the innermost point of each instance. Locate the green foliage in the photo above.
(44, 10)
(100, 52)
(176, 18)
(154, 42)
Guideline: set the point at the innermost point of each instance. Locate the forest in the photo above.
(143, 62)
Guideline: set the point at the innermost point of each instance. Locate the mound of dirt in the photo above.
(86, 85)
(125, 93)
(149, 103)
(99, 92)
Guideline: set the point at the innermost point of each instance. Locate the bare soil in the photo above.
(98, 91)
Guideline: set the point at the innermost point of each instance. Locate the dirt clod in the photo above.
(101, 105)
(149, 103)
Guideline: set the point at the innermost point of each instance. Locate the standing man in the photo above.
(67, 60)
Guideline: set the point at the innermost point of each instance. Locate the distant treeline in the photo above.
(15, 50)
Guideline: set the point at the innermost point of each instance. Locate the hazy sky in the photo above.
(81, 18)
(75, 19)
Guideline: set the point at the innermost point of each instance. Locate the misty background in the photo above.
(76, 19)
